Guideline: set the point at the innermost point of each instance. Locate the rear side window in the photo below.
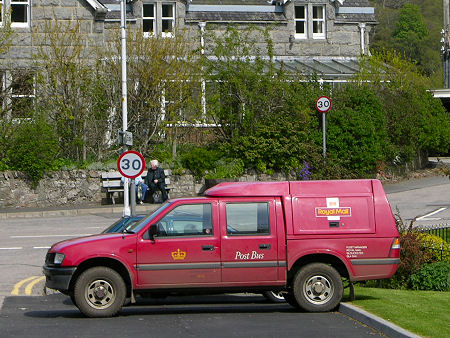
(248, 218)
(187, 220)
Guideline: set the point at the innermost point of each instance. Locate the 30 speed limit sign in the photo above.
(323, 104)
(131, 164)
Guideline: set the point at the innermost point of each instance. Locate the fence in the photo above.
(442, 231)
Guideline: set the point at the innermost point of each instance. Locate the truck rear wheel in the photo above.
(99, 292)
(274, 297)
(318, 287)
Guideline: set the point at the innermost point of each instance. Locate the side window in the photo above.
(187, 220)
(248, 218)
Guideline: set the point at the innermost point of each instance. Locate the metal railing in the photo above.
(442, 231)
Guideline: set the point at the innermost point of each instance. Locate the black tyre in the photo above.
(274, 297)
(318, 287)
(290, 299)
(72, 298)
(99, 292)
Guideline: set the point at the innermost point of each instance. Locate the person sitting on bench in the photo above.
(156, 179)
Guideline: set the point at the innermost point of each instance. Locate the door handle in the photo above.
(264, 246)
(208, 247)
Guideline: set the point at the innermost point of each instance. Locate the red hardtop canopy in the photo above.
(235, 189)
(283, 188)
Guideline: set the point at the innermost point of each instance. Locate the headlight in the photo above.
(59, 257)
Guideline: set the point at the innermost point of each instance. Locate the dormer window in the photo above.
(309, 21)
(300, 22)
(168, 19)
(148, 19)
(318, 20)
(158, 18)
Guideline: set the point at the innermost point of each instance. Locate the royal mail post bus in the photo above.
(300, 238)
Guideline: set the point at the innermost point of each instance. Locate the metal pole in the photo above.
(324, 139)
(133, 197)
(123, 37)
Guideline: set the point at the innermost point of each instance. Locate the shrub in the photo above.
(432, 277)
(435, 247)
(227, 168)
(33, 149)
(199, 160)
(412, 258)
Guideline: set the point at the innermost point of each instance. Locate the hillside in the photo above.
(423, 48)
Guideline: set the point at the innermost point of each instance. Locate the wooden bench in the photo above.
(112, 184)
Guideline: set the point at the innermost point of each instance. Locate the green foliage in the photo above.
(356, 131)
(432, 277)
(413, 29)
(226, 168)
(435, 247)
(199, 160)
(415, 121)
(33, 149)
(410, 24)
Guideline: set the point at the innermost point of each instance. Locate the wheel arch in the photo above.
(111, 263)
(328, 259)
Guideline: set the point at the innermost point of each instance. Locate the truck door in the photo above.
(249, 247)
(184, 253)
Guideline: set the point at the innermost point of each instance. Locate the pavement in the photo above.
(386, 327)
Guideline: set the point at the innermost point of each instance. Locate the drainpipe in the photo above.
(362, 28)
(202, 26)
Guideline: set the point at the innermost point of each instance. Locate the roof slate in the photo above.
(234, 17)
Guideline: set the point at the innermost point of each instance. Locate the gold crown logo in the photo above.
(178, 255)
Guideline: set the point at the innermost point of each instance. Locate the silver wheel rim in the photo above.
(278, 295)
(100, 294)
(318, 290)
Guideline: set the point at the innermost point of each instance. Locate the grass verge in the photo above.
(426, 313)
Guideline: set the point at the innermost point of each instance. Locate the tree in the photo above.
(68, 82)
(410, 32)
(161, 77)
(415, 121)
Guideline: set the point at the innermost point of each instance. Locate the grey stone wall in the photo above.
(83, 187)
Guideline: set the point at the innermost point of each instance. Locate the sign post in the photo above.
(131, 164)
(323, 105)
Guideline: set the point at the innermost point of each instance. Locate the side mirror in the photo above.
(153, 231)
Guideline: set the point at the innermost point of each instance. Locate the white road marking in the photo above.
(41, 247)
(12, 248)
(431, 214)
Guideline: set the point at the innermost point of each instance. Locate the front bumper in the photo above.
(58, 278)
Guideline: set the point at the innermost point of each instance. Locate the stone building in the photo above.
(325, 37)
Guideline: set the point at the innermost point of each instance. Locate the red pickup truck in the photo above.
(301, 238)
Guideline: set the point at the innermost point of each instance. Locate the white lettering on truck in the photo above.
(248, 255)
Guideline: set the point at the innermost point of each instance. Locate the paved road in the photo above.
(426, 199)
(206, 316)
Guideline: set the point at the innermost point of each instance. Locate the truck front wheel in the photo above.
(318, 287)
(99, 292)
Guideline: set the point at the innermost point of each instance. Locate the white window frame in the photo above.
(320, 21)
(304, 20)
(168, 18)
(148, 34)
(27, 5)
